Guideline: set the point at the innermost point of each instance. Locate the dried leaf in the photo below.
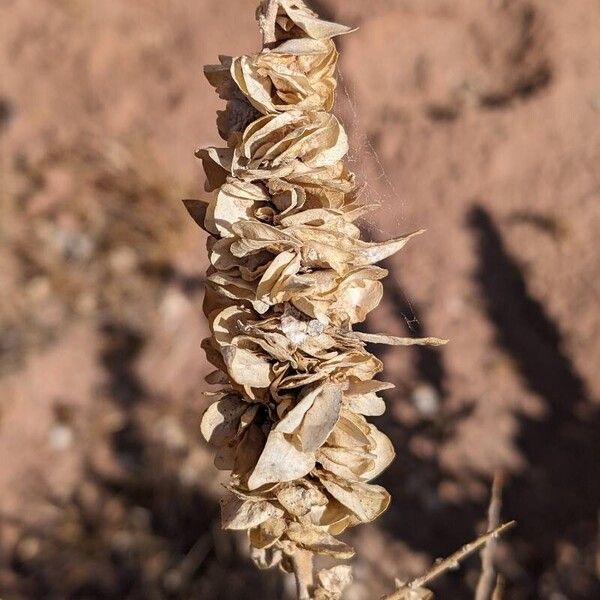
(351, 431)
(283, 145)
(333, 582)
(308, 21)
(292, 420)
(221, 420)
(383, 451)
(272, 287)
(328, 249)
(267, 533)
(391, 340)
(361, 397)
(247, 368)
(238, 513)
(364, 500)
(235, 201)
(320, 418)
(280, 461)
(317, 541)
(347, 463)
(290, 77)
(300, 499)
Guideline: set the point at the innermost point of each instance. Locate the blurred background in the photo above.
(476, 119)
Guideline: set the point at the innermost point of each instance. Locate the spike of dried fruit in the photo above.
(289, 277)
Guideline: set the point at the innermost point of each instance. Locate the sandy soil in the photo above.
(477, 120)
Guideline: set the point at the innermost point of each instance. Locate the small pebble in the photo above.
(426, 400)
(61, 437)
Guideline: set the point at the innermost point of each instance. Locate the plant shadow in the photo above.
(137, 529)
(556, 499)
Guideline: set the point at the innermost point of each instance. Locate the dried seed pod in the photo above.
(289, 277)
(296, 75)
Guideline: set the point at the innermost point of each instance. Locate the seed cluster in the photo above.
(289, 277)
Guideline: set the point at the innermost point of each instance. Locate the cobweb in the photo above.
(377, 188)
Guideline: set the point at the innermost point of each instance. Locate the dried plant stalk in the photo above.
(415, 590)
(499, 589)
(487, 580)
(289, 277)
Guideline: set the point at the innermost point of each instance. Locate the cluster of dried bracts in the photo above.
(289, 277)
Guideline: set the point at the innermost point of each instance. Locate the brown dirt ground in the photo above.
(477, 119)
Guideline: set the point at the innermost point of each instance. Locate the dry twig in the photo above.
(499, 589)
(487, 579)
(417, 586)
(302, 562)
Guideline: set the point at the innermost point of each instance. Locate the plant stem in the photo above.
(452, 561)
(302, 562)
(499, 591)
(487, 579)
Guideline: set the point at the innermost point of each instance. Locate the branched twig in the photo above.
(449, 563)
(487, 579)
(452, 561)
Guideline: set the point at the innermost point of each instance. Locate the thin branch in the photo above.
(302, 562)
(181, 574)
(487, 579)
(499, 589)
(415, 590)
(453, 560)
(267, 21)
